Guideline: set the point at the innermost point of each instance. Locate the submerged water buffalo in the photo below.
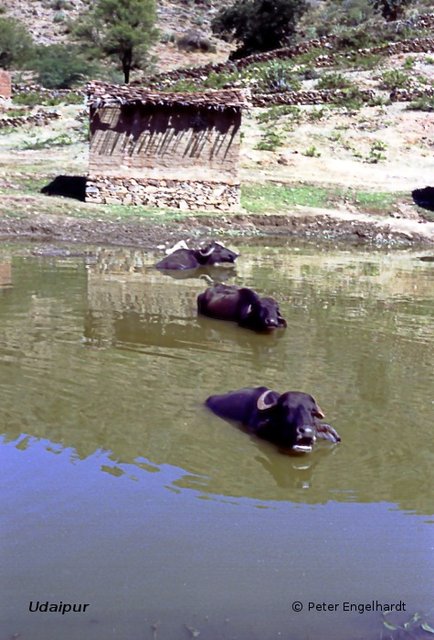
(289, 420)
(210, 255)
(245, 306)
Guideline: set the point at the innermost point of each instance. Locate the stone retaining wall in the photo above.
(26, 89)
(414, 45)
(173, 194)
(307, 97)
(40, 118)
(406, 95)
(338, 95)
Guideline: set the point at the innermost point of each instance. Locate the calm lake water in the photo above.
(120, 490)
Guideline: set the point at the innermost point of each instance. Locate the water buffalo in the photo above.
(184, 258)
(289, 420)
(228, 302)
(67, 186)
(424, 197)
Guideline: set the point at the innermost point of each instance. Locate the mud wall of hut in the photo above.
(162, 156)
(162, 142)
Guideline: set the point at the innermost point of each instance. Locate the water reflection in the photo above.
(112, 357)
(5, 274)
(121, 489)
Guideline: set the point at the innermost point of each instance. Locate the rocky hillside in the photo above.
(49, 22)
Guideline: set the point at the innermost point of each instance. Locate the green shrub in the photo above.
(184, 85)
(258, 25)
(61, 140)
(334, 81)
(61, 67)
(425, 103)
(272, 76)
(358, 61)
(409, 63)
(376, 152)
(278, 111)
(35, 98)
(324, 18)
(31, 99)
(316, 114)
(351, 98)
(312, 152)
(394, 79)
(219, 80)
(270, 141)
(16, 44)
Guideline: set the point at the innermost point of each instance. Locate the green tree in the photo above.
(258, 25)
(391, 9)
(120, 29)
(60, 66)
(16, 44)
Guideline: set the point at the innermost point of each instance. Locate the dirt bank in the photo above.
(326, 226)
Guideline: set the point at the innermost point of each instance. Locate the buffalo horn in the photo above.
(207, 252)
(261, 404)
(318, 413)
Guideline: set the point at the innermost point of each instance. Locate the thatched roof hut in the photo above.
(190, 140)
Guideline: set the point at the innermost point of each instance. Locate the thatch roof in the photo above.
(101, 94)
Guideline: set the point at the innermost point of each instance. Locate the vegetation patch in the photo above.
(275, 112)
(270, 141)
(334, 80)
(395, 79)
(425, 103)
(263, 198)
(61, 140)
(36, 98)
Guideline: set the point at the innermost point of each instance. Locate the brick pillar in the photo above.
(5, 84)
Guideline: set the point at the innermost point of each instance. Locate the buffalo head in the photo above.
(259, 314)
(290, 420)
(215, 253)
(245, 306)
(181, 258)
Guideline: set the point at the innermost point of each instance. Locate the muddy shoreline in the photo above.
(324, 229)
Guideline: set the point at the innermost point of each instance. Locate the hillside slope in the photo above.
(49, 22)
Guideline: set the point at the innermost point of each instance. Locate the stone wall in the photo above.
(308, 97)
(339, 96)
(171, 194)
(406, 95)
(26, 89)
(40, 118)
(413, 45)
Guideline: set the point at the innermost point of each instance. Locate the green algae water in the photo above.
(121, 492)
